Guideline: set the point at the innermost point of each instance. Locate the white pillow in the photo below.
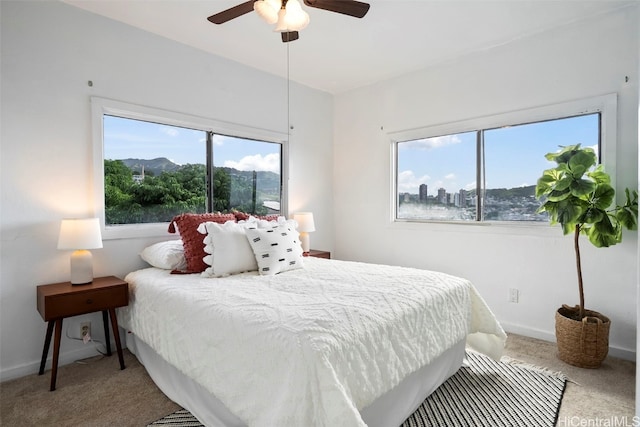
(253, 222)
(230, 252)
(167, 255)
(276, 249)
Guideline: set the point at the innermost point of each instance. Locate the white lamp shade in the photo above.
(293, 18)
(267, 10)
(80, 234)
(305, 221)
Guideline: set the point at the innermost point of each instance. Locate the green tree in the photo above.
(159, 198)
(221, 190)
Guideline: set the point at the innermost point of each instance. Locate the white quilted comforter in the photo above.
(308, 347)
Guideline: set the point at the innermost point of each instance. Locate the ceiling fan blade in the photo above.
(290, 36)
(346, 7)
(231, 13)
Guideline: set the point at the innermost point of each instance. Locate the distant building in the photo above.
(442, 195)
(423, 193)
(462, 199)
(138, 179)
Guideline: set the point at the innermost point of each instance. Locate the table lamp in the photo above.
(80, 235)
(305, 226)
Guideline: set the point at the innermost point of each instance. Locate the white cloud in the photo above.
(269, 163)
(430, 143)
(409, 183)
(171, 131)
(450, 177)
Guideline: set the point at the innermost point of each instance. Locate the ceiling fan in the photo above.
(288, 15)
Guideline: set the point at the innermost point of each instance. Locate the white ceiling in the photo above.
(336, 53)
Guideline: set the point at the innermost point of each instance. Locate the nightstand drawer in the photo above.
(86, 302)
(77, 301)
(319, 254)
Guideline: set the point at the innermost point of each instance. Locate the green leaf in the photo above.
(592, 215)
(599, 175)
(604, 233)
(603, 196)
(548, 206)
(582, 187)
(545, 182)
(628, 218)
(556, 196)
(563, 184)
(563, 155)
(578, 171)
(568, 213)
(581, 161)
(568, 227)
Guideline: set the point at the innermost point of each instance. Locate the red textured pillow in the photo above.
(192, 240)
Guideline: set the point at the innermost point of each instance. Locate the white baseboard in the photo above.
(65, 358)
(622, 353)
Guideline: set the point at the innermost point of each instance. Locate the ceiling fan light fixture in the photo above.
(267, 10)
(292, 18)
(288, 15)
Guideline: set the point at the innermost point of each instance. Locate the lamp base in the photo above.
(81, 267)
(304, 241)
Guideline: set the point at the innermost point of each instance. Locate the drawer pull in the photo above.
(89, 301)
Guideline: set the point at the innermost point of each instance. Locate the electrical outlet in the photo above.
(514, 295)
(85, 330)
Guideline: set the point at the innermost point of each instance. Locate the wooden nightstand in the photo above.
(319, 254)
(59, 300)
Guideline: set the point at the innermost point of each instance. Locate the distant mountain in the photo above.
(505, 193)
(152, 167)
(267, 182)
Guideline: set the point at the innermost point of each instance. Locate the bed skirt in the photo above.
(390, 409)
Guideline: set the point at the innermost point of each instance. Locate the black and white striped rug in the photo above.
(482, 393)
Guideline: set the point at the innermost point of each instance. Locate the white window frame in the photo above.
(104, 106)
(605, 104)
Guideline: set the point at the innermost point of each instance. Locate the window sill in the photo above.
(529, 228)
(133, 231)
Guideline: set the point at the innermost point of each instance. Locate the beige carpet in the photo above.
(95, 393)
(592, 395)
(98, 393)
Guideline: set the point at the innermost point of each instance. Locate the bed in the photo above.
(333, 343)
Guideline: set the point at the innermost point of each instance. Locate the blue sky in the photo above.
(514, 156)
(124, 138)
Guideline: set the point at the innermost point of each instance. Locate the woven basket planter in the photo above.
(582, 343)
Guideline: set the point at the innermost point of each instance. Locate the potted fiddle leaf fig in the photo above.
(577, 194)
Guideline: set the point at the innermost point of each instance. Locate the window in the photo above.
(489, 171)
(152, 171)
(157, 164)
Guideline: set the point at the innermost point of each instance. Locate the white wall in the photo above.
(638, 281)
(582, 60)
(49, 52)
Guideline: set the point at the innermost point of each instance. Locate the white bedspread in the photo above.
(308, 347)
